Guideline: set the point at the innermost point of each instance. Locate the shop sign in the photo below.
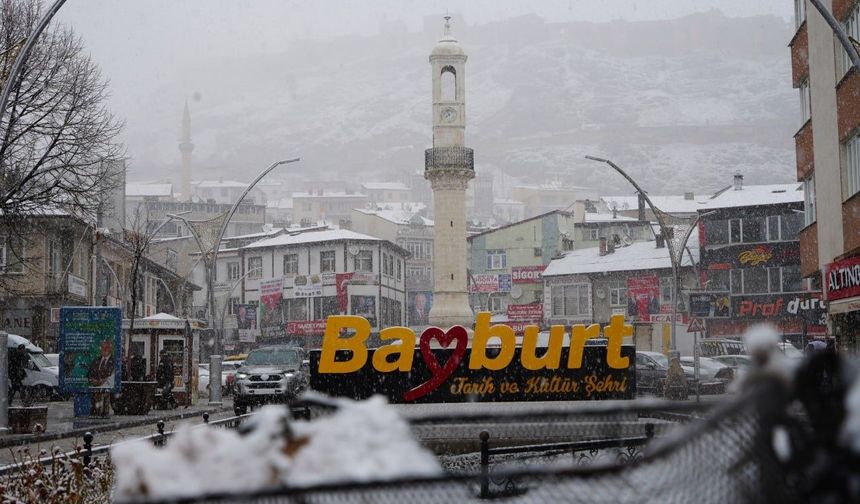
(755, 256)
(306, 328)
(531, 311)
(77, 286)
(307, 286)
(504, 282)
(527, 274)
(427, 369)
(19, 322)
(807, 306)
(484, 282)
(90, 349)
(842, 279)
(710, 304)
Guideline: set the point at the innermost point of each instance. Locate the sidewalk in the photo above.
(62, 423)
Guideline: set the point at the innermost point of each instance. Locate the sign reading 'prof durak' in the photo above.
(493, 369)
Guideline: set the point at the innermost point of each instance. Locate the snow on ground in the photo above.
(361, 441)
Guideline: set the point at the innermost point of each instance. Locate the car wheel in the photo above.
(42, 393)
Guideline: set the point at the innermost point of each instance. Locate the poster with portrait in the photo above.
(364, 306)
(246, 319)
(643, 297)
(418, 305)
(90, 349)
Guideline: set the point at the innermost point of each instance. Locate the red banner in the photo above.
(842, 279)
(341, 280)
(527, 274)
(531, 311)
(306, 328)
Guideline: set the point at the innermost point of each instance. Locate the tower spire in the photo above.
(185, 150)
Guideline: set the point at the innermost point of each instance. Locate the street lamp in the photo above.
(209, 265)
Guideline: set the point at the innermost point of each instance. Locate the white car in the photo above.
(42, 378)
(203, 379)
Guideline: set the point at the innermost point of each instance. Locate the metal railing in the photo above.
(449, 158)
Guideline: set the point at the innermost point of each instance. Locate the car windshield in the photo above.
(40, 360)
(661, 359)
(273, 357)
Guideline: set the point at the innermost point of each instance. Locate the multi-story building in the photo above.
(675, 209)
(590, 285)
(751, 250)
(828, 162)
(386, 192)
(49, 262)
(227, 192)
(322, 273)
(542, 198)
(152, 215)
(330, 207)
(406, 227)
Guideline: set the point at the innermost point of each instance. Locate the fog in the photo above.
(346, 85)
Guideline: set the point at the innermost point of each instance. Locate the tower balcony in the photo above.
(449, 158)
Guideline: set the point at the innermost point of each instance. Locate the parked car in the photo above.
(43, 378)
(203, 379)
(272, 374)
(651, 369)
(709, 347)
(714, 376)
(739, 363)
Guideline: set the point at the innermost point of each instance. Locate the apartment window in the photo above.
(666, 291)
(737, 281)
(325, 306)
(233, 307)
(55, 260)
(773, 228)
(11, 255)
(753, 229)
(496, 304)
(496, 259)
(852, 29)
(774, 279)
(593, 234)
(618, 293)
(327, 261)
(755, 280)
(295, 309)
(791, 279)
(233, 271)
(571, 300)
(255, 267)
(399, 268)
(799, 13)
(804, 102)
(717, 280)
(852, 164)
(291, 264)
(790, 226)
(734, 231)
(364, 261)
(716, 232)
(809, 201)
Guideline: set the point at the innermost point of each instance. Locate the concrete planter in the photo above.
(24, 419)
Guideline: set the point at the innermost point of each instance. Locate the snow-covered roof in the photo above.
(146, 189)
(332, 194)
(504, 201)
(636, 256)
(283, 203)
(677, 204)
(222, 183)
(756, 195)
(385, 186)
(602, 217)
(398, 213)
(554, 186)
(312, 237)
(261, 234)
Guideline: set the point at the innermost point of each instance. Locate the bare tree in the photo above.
(58, 135)
(138, 240)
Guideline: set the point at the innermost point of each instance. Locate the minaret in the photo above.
(186, 148)
(449, 166)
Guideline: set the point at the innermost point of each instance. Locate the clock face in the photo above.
(449, 114)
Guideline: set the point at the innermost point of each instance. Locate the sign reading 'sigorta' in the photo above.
(493, 368)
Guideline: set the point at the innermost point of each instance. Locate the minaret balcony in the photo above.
(449, 158)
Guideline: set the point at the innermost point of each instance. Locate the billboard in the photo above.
(710, 305)
(307, 286)
(246, 319)
(531, 311)
(643, 297)
(804, 305)
(418, 305)
(490, 282)
(306, 328)
(364, 306)
(90, 349)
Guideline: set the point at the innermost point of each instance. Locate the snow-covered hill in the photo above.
(681, 104)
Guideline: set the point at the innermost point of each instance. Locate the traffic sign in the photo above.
(696, 325)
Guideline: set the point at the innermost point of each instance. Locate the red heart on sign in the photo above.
(438, 374)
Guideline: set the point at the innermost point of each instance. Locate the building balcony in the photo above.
(809, 250)
(799, 56)
(449, 158)
(803, 150)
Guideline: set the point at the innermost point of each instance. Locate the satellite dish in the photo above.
(516, 292)
(353, 250)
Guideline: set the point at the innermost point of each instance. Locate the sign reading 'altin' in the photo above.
(493, 368)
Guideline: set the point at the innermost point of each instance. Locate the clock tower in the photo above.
(449, 166)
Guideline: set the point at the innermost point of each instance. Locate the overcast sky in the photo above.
(141, 44)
